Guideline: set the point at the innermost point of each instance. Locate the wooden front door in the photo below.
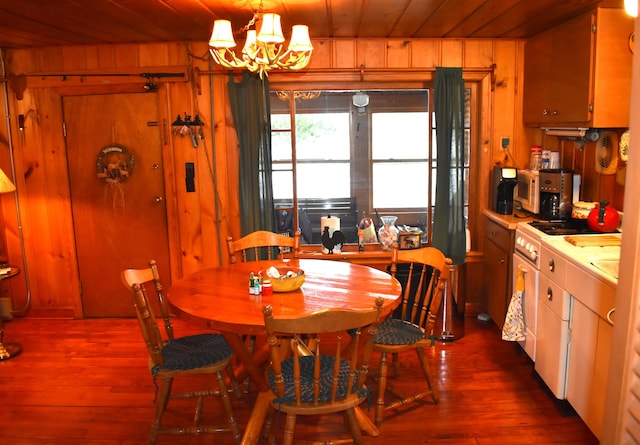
(117, 194)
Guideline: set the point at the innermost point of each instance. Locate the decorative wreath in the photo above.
(114, 164)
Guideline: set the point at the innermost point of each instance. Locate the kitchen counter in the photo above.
(599, 261)
(508, 221)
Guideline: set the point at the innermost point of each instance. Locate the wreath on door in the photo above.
(115, 164)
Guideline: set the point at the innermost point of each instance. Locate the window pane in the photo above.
(322, 136)
(400, 184)
(399, 135)
(323, 180)
(282, 178)
(281, 146)
(280, 122)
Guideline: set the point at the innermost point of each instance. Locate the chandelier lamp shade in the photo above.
(263, 50)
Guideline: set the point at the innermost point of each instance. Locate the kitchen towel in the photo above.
(513, 328)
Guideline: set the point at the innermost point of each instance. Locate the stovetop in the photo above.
(571, 227)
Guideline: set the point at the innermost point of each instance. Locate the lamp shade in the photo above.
(300, 39)
(222, 36)
(270, 31)
(6, 185)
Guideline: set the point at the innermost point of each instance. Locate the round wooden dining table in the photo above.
(219, 299)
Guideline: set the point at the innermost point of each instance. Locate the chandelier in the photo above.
(263, 50)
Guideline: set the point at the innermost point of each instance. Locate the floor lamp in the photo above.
(7, 350)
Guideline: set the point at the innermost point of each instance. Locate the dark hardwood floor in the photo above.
(87, 382)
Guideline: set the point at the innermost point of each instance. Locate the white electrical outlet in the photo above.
(505, 142)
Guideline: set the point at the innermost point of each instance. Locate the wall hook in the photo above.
(187, 127)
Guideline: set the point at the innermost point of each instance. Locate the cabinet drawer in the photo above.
(499, 235)
(553, 266)
(554, 297)
(590, 291)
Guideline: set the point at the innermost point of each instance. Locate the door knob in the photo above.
(158, 199)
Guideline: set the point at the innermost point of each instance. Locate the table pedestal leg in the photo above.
(256, 421)
(366, 424)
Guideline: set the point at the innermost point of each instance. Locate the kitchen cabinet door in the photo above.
(552, 339)
(537, 79)
(497, 266)
(584, 334)
(589, 365)
(578, 74)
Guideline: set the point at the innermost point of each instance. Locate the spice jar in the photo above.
(267, 287)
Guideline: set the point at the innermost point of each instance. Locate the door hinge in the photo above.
(64, 130)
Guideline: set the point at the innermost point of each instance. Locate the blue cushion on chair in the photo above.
(393, 331)
(195, 351)
(306, 379)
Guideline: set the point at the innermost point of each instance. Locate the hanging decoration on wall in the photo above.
(189, 127)
(115, 165)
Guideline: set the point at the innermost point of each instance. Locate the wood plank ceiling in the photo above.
(37, 23)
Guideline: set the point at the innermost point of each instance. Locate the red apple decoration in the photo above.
(603, 218)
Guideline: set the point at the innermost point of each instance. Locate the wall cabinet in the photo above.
(497, 263)
(578, 74)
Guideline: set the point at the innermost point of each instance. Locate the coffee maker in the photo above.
(556, 194)
(503, 182)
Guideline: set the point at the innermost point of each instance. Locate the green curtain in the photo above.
(251, 112)
(448, 221)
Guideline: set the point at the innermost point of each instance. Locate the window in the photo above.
(356, 153)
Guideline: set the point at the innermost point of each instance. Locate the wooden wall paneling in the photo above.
(398, 53)
(323, 51)
(506, 102)
(371, 53)
(153, 54)
(189, 204)
(478, 53)
(127, 55)
(425, 53)
(344, 54)
(76, 58)
(43, 181)
(226, 144)
(451, 53)
(223, 149)
(49, 59)
(170, 174)
(520, 149)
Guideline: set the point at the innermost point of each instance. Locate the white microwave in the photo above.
(528, 190)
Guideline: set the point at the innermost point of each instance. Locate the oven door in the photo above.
(530, 302)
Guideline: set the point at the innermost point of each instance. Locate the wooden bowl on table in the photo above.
(284, 278)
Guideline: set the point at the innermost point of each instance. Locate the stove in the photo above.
(571, 227)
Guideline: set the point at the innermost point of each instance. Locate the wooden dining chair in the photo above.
(262, 244)
(257, 245)
(314, 381)
(410, 328)
(171, 357)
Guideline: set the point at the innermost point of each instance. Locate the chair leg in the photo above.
(289, 427)
(382, 387)
(267, 426)
(235, 385)
(353, 426)
(161, 405)
(226, 403)
(426, 370)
